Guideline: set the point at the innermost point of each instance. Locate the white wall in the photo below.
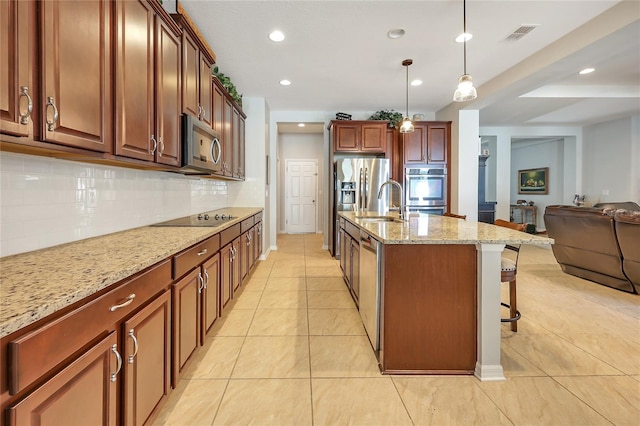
(46, 202)
(537, 154)
(611, 160)
(300, 146)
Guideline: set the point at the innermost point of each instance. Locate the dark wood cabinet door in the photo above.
(258, 244)
(186, 320)
(235, 134)
(374, 137)
(190, 76)
(343, 253)
(355, 269)
(217, 107)
(81, 394)
(226, 266)
(205, 90)
(348, 260)
(211, 294)
(241, 147)
(168, 95)
(17, 92)
(147, 360)
(134, 83)
(236, 278)
(76, 92)
(347, 137)
(437, 143)
(245, 255)
(227, 138)
(414, 146)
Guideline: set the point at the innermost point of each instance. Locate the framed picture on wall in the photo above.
(533, 181)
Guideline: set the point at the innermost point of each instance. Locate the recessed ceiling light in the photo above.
(276, 36)
(395, 33)
(416, 82)
(300, 124)
(285, 82)
(587, 71)
(464, 37)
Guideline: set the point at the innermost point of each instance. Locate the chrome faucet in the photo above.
(396, 183)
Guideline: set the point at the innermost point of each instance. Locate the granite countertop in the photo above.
(39, 283)
(434, 229)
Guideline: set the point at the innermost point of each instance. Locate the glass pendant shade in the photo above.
(406, 126)
(465, 90)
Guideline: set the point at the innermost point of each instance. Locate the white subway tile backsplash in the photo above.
(45, 202)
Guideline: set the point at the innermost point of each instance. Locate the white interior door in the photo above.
(301, 192)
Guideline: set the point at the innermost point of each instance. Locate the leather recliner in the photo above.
(586, 244)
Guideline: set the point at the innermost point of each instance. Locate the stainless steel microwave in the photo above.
(201, 148)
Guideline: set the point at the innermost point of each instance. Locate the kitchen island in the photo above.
(439, 293)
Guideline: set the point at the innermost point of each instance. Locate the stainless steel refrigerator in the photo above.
(356, 185)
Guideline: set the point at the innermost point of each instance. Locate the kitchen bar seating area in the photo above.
(292, 350)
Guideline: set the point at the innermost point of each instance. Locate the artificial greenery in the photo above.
(394, 117)
(228, 85)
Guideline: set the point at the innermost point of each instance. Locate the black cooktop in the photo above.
(211, 219)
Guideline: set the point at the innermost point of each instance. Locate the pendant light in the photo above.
(407, 124)
(465, 90)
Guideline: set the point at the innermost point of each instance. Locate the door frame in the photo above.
(286, 192)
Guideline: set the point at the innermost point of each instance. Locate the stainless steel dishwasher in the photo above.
(370, 286)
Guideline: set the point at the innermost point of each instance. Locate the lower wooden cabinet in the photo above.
(186, 320)
(349, 247)
(146, 360)
(83, 393)
(354, 252)
(210, 296)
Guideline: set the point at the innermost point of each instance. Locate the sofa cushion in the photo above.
(626, 205)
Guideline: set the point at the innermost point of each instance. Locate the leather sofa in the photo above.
(597, 244)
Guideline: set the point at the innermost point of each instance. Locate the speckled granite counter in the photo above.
(39, 283)
(434, 229)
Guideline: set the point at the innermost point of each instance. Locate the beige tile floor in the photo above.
(291, 350)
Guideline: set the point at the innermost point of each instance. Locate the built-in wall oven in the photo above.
(426, 190)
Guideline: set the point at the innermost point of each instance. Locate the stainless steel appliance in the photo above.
(356, 184)
(201, 148)
(370, 287)
(426, 190)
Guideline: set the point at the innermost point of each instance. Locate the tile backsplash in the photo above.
(46, 202)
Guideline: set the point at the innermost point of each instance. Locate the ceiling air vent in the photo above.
(520, 32)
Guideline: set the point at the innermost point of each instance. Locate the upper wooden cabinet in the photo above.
(238, 143)
(359, 136)
(76, 57)
(229, 122)
(147, 83)
(17, 91)
(428, 144)
(197, 60)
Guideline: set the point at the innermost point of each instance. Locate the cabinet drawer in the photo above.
(38, 352)
(352, 230)
(194, 256)
(257, 218)
(229, 234)
(246, 225)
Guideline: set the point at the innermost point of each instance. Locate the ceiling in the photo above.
(338, 57)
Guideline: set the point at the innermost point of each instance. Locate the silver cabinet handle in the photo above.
(216, 149)
(51, 125)
(127, 302)
(114, 375)
(206, 279)
(201, 252)
(200, 112)
(201, 286)
(135, 346)
(24, 118)
(248, 240)
(161, 149)
(155, 144)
